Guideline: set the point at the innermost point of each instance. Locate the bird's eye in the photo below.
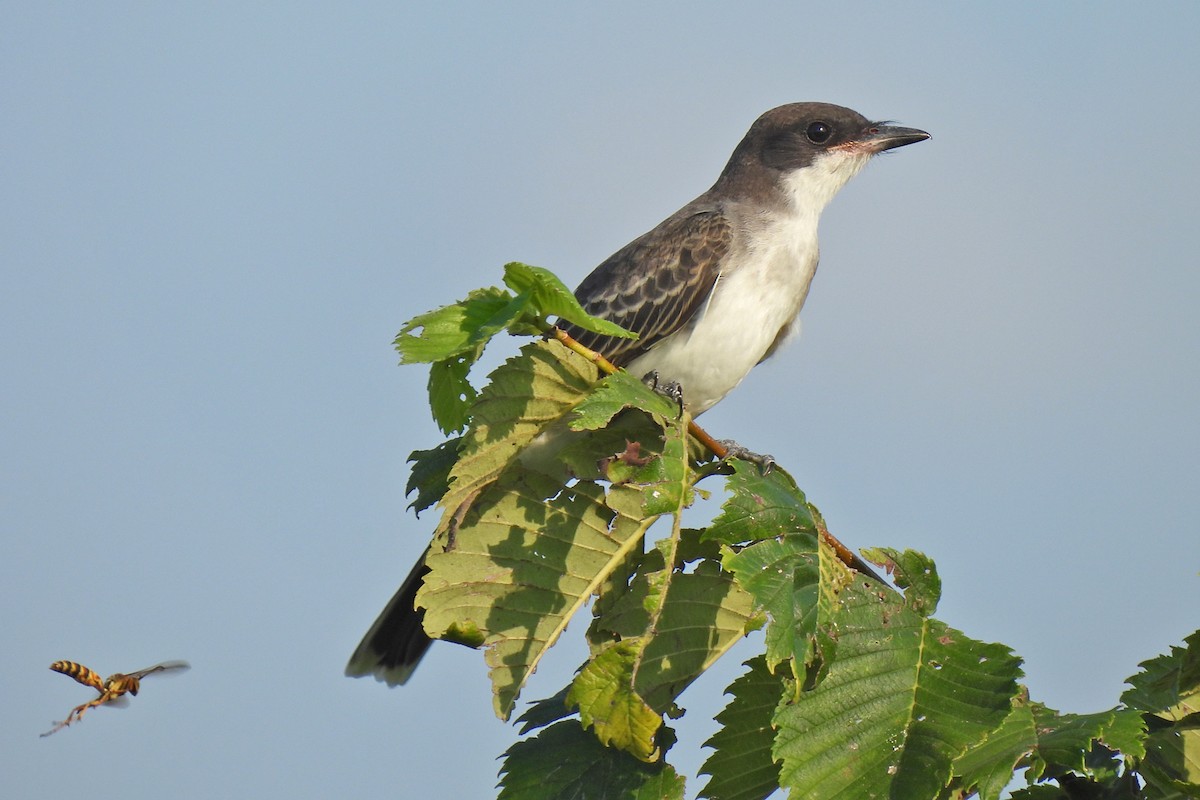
(818, 132)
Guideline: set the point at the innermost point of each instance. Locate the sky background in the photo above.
(215, 217)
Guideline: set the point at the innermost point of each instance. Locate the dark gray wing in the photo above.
(655, 284)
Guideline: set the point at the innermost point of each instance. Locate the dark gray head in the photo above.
(835, 140)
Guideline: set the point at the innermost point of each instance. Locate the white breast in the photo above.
(745, 313)
(759, 294)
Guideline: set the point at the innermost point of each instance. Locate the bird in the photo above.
(711, 291)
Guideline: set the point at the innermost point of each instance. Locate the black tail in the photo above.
(397, 642)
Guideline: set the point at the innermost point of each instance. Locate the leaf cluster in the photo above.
(564, 491)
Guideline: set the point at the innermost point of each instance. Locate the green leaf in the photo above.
(604, 694)
(1171, 767)
(685, 620)
(795, 580)
(451, 339)
(507, 317)
(1073, 788)
(741, 766)
(1168, 685)
(551, 297)
(565, 762)
(913, 572)
(1047, 742)
(524, 397)
(527, 557)
(631, 438)
(760, 507)
(988, 767)
(451, 395)
(616, 393)
(704, 613)
(904, 698)
(450, 330)
(1168, 690)
(430, 474)
(545, 711)
(667, 488)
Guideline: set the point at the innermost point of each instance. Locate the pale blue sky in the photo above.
(214, 219)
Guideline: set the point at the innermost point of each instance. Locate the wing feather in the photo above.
(655, 285)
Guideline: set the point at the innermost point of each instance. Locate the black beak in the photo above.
(880, 137)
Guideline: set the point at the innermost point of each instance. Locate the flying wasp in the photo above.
(112, 689)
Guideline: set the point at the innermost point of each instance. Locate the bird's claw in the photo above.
(765, 462)
(672, 390)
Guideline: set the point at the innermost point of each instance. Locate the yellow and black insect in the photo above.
(111, 689)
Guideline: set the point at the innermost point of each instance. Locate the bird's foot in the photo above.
(765, 463)
(672, 390)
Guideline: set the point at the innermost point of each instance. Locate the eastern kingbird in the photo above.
(711, 291)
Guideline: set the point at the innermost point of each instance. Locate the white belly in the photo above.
(749, 307)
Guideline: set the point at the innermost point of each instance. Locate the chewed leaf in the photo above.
(913, 572)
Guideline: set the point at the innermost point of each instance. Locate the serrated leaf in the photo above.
(1047, 742)
(1064, 741)
(913, 572)
(451, 394)
(565, 762)
(527, 557)
(1171, 767)
(430, 474)
(703, 614)
(1168, 690)
(1122, 788)
(1126, 733)
(524, 397)
(904, 698)
(552, 298)
(545, 711)
(1168, 685)
(795, 580)
(450, 330)
(503, 318)
(608, 704)
(760, 507)
(741, 766)
(988, 767)
(616, 393)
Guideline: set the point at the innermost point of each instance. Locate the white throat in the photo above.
(810, 189)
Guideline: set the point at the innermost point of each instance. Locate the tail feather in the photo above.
(397, 642)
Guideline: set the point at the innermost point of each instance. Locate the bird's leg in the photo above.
(672, 390)
(765, 462)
